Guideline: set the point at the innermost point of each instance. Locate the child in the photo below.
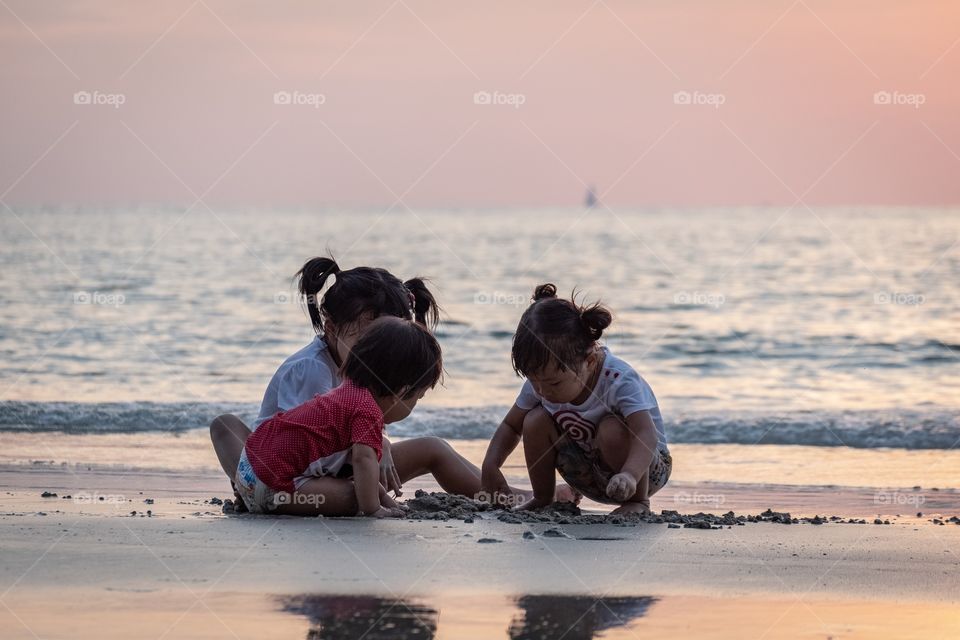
(322, 456)
(350, 304)
(582, 412)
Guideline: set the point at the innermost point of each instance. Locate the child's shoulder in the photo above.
(615, 366)
(617, 371)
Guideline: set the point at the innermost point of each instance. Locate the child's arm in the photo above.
(643, 445)
(504, 441)
(366, 481)
(389, 477)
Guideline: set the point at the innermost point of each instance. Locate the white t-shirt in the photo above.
(619, 391)
(301, 376)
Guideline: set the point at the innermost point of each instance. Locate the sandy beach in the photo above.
(156, 557)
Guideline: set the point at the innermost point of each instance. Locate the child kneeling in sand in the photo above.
(321, 458)
(582, 411)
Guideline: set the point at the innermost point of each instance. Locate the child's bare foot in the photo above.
(531, 504)
(239, 506)
(566, 493)
(631, 507)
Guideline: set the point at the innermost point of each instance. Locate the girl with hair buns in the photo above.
(582, 411)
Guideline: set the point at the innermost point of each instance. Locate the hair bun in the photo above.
(544, 291)
(595, 319)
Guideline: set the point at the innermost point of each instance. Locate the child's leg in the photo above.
(228, 433)
(418, 456)
(539, 440)
(322, 497)
(614, 440)
(430, 454)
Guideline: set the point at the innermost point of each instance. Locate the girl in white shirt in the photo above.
(582, 411)
(356, 298)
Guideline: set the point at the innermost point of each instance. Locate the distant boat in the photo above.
(591, 200)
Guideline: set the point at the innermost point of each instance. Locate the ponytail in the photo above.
(312, 277)
(595, 319)
(425, 309)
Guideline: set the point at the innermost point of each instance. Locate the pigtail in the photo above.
(312, 277)
(595, 319)
(425, 309)
(544, 291)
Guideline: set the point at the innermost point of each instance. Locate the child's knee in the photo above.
(219, 425)
(538, 423)
(611, 432)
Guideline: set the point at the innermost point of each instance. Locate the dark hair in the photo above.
(363, 291)
(556, 330)
(394, 357)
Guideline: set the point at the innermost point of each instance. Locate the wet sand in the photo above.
(121, 552)
(106, 568)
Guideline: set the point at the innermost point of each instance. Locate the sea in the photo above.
(827, 327)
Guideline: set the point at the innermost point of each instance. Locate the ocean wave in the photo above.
(930, 428)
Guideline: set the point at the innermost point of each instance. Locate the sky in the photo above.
(438, 104)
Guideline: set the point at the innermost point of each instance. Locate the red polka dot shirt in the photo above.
(287, 445)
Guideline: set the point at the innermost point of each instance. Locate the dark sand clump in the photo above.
(444, 506)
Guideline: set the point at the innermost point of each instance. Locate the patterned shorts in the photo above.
(258, 497)
(586, 472)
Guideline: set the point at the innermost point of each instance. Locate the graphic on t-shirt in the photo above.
(576, 427)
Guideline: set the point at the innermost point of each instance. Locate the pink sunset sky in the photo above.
(782, 94)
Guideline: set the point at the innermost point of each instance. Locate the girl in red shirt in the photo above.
(322, 457)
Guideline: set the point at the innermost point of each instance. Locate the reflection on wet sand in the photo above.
(540, 617)
(368, 617)
(573, 617)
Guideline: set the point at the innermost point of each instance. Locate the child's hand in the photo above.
(388, 471)
(493, 484)
(621, 487)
